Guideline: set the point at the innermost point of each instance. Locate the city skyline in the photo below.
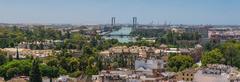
(100, 12)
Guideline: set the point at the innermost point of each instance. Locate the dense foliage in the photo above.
(179, 62)
(213, 57)
(11, 36)
(226, 53)
(35, 74)
(149, 33)
(181, 39)
(3, 57)
(14, 68)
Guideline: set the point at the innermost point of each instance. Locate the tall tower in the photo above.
(134, 22)
(113, 21)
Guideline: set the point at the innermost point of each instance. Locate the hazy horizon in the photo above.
(223, 12)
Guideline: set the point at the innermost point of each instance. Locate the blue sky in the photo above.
(101, 11)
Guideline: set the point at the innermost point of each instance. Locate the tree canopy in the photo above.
(213, 57)
(35, 74)
(179, 62)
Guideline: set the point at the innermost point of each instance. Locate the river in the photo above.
(122, 39)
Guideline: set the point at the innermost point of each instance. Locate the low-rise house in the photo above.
(23, 53)
(112, 75)
(46, 44)
(126, 50)
(116, 50)
(186, 75)
(195, 52)
(105, 53)
(223, 34)
(142, 54)
(217, 73)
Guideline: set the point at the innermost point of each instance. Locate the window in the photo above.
(183, 79)
(187, 74)
(191, 79)
(183, 74)
(187, 79)
(191, 74)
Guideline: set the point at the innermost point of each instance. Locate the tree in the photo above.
(87, 50)
(91, 70)
(64, 64)
(35, 75)
(180, 62)
(12, 72)
(114, 65)
(83, 63)
(94, 42)
(231, 52)
(67, 35)
(50, 72)
(213, 57)
(21, 66)
(99, 63)
(90, 60)
(62, 71)
(3, 58)
(73, 63)
(53, 62)
(210, 45)
(17, 54)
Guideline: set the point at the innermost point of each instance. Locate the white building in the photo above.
(148, 65)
